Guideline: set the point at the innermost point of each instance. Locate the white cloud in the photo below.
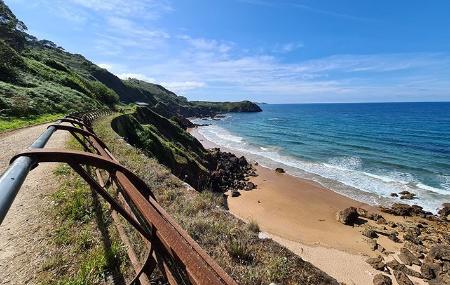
(287, 47)
(136, 8)
(139, 76)
(182, 86)
(208, 44)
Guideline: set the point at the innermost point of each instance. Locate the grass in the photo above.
(232, 243)
(85, 244)
(8, 124)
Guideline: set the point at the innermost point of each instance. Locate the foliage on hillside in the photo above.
(164, 140)
(37, 77)
(168, 103)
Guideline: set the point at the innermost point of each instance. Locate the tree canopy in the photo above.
(12, 30)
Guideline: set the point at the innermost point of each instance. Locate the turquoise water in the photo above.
(364, 151)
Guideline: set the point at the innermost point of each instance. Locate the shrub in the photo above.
(10, 62)
(253, 226)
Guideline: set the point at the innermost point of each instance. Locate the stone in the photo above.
(393, 236)
(348, 216)
(430, 270)
(381, 279)
(408, 196)
(362, 212)
(394, 195)
(438, 252)
(408, 258)
(249, 186)
(369, 233)
(235, 194)
(377, 263)
(444, 213)
(402, 278)
(279, 170)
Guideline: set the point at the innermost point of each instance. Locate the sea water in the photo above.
(363, 151)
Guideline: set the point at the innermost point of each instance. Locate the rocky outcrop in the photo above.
(279, 170)
(408, 258)
(402, 278)
(377, 263)
(348, 216)
(381, 279)
(444, 213)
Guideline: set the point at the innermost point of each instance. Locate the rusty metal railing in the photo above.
(168, 247)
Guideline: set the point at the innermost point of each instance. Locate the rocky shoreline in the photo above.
(424, 240)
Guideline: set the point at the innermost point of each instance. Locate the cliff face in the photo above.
(165, 140)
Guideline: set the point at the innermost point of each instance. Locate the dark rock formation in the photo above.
(444, 213)
(279, 170)
(381, 279)
(369, 233)
(348, 216)
(377, 263)
(402, 278)
(408, 258)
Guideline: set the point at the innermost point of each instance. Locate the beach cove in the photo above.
(301, 215)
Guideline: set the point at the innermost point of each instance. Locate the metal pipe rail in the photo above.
(178, 257)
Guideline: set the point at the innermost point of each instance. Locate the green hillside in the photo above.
(38, 78)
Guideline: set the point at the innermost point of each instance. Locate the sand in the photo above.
(301, 215)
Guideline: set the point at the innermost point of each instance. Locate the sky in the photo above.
(280, 51)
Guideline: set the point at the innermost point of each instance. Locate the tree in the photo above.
(12, 30)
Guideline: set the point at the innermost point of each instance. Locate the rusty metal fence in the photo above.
(168, 247)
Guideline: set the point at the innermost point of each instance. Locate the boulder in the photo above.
(430, 270)
(393, 237)
(408, 258)
(402, 278)
(438, 252)
(279, 170)
(348, 216)
(394, 195)
(235, 194)
(369, 233)
(381, 279)
(408, 196)
(249, 186)
(377, 263)
(397, 266)
(444, 213)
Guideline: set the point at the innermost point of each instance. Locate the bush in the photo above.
(103, 93)
(10, 62)
(253, 226)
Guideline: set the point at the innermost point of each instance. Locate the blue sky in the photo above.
(267, 51)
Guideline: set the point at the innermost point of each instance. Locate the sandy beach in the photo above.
(301, 215)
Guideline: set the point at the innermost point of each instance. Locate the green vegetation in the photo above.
(11, 124)
(234, 245)
(85, 245)
(38, 78)
(164, 140)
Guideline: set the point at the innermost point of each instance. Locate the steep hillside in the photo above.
(184, 155)
(37, 77)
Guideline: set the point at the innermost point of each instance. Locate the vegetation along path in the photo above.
(23, 233)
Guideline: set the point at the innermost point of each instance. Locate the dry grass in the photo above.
(85, 245)
(232, 243)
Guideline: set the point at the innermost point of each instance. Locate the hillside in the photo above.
(37, 77)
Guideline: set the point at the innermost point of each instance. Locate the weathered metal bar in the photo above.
(13, 178)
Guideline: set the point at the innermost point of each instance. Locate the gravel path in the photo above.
(23, 234)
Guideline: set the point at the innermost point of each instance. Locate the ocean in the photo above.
(363, 151)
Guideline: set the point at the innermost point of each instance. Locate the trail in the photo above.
(24, 232)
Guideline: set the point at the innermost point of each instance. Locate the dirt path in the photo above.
(23, 233)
